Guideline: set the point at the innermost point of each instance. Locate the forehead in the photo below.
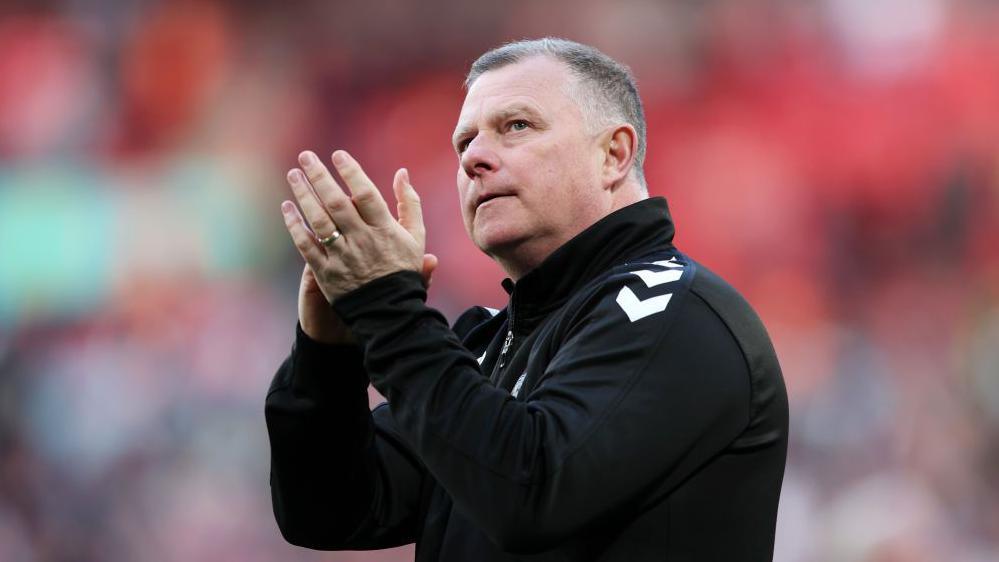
(540, 81)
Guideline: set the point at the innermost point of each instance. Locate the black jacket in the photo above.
(626, 405)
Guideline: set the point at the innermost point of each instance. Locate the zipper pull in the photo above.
(506, 347)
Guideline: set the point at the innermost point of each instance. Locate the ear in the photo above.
(619, 145)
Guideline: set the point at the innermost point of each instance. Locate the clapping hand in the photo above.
(349, 240)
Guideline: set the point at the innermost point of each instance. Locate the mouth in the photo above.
(483, 199)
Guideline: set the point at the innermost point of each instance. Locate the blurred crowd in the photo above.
(836, 160)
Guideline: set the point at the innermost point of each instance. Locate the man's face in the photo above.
(530, 170)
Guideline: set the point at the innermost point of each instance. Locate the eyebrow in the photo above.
(501, 114)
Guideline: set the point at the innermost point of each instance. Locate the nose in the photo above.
(478, 158)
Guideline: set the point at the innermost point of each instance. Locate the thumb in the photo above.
(408, 206)
(429, 265)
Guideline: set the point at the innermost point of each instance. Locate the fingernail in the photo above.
(293, 176)
(339, 158)
(307, 158)
(286, 207)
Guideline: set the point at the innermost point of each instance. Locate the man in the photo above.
(627, 403)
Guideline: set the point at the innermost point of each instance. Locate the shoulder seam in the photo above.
(742, 351)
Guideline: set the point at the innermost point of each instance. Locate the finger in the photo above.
(304, 241)
(369, 202)
(312, 209)
(329, 193)
(427, 271)
(408, 203)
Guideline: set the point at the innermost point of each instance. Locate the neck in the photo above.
(521, 258)
(525, 256)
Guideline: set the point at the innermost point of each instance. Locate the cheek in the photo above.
(568, 170)
(573, 180)
(568, 158)
(464, 186)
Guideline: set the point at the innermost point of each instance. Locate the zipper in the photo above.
(508, 342)
(506, 347)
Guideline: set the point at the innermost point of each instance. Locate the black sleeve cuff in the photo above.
(392, 288)
(395, 327)
(318, 369)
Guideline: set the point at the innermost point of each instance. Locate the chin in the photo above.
(494, 241)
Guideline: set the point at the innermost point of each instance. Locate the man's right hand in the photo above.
(318, 319)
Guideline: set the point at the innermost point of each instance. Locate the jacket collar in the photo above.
(627, 233)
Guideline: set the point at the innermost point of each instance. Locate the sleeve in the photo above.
(341, 476)
(632, 401)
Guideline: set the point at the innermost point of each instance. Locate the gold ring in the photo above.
(329, 240)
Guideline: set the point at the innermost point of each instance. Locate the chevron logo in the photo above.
(653, 278)
(637, 309)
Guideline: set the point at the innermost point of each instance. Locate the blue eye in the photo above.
(518, 125)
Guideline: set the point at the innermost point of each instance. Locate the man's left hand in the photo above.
(371, 242)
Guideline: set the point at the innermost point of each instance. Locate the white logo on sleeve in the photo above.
(518, 384)
(481, 358)
(637, 309)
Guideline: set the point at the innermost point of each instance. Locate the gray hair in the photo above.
(605, 91)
